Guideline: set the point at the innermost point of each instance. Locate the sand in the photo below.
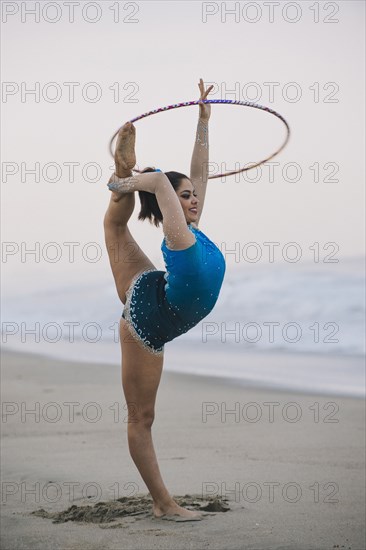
(282, 470)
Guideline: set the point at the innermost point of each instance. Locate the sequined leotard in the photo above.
(161, 305)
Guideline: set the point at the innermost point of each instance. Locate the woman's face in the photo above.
(188, 200)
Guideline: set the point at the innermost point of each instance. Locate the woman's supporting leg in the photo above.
(141, 373)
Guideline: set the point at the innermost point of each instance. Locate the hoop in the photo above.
(217, 101)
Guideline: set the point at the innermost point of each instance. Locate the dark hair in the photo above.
(149, 205)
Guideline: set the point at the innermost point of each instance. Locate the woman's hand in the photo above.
(205, 108)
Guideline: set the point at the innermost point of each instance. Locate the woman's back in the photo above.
(194, 274)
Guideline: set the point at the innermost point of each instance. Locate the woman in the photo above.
(159, 305)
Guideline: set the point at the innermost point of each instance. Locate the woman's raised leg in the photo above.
(125, 256)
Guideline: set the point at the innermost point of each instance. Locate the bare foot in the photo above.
(174, 512)
(125, 158)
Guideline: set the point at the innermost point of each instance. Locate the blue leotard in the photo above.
(161, 305)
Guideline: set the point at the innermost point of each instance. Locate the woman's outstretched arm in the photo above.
(199, 162)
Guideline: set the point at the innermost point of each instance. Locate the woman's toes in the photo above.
(175, 512)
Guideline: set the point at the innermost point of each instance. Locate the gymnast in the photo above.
(159, 305)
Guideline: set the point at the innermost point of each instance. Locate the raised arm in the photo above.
(199, 162)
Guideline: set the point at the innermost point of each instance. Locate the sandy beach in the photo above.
(289, 466)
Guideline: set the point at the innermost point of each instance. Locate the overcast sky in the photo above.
(302, 59)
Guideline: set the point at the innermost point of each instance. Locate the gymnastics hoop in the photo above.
(217, 101)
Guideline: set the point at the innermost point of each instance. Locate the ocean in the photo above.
(285, 310)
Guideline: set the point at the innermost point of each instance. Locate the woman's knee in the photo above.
(141, 419)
